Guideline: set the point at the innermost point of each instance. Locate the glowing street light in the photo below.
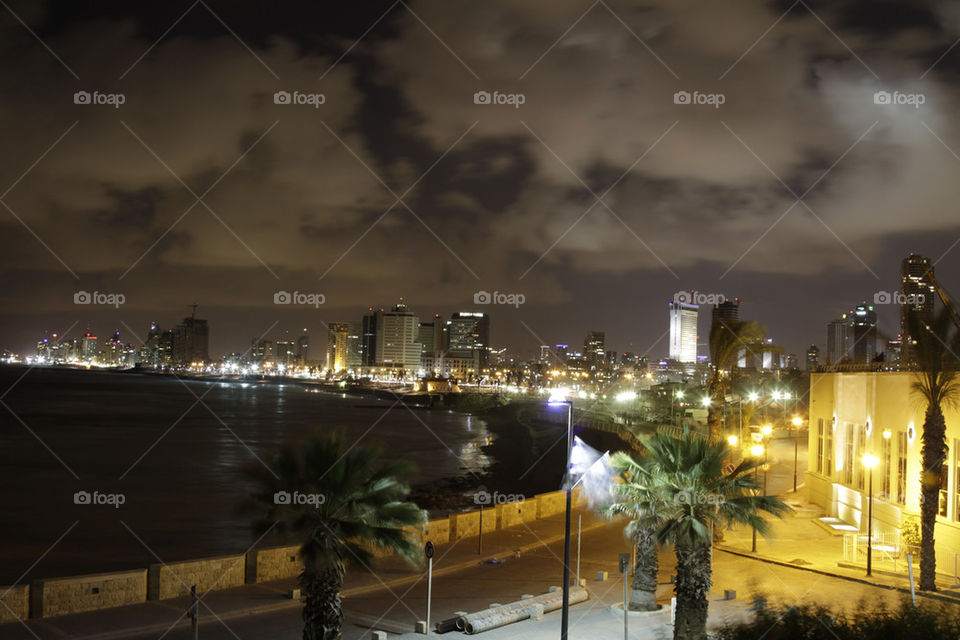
(733, 440)
(870, 461)
(753, 396)
(766, 430)
(886, 434)
(797, 421)
(706, 401)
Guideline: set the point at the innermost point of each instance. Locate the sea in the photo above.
(162, 461)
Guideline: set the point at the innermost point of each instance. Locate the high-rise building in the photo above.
(546, 353)
(594, 346)
(303, 348)
(354, 346)
(338, 335)
(813, 357)
(396, 339)
(368, 338)
(916, 299)
(726, 311)
(190, 342)
(683, 331)
(430, 336)
(863, 333)
(561, 352)
(838, 340)
(286, 350)
(468, 336)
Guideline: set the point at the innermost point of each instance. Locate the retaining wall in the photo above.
(60, 596)
(208, 574)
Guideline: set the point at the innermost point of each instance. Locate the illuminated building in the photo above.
(683, 332)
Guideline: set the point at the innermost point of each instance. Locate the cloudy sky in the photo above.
(628, 150)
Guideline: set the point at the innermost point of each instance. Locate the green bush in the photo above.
(817, 622)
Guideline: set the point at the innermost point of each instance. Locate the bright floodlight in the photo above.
(870, 461)
(766, 430)
(706, 401)
(626, 396)
(786, 395)
(753, 396)
(732, 440)
(756, 450)
(776, 395)
(886, 434)
(680, 393)
(557, 396)
(797, 421)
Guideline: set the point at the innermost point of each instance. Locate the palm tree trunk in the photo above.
(643, 596)
(693, 585)
(322, 612)
(715, 412)
(933, 453)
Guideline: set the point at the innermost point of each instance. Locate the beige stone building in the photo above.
(876, 412)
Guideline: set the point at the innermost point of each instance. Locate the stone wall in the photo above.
(17, 601)
(60, 596)
(210, 574)
(275, 563)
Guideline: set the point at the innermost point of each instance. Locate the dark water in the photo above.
(177, 462)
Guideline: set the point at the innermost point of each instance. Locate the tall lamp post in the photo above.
(756, 451)
(870, 461)
(797, 421)
(558, 399)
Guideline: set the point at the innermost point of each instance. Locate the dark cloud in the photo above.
(493, 197)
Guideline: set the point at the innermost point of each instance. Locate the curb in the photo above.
(354, 591)
(904, 590)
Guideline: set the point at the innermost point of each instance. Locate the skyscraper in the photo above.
(838, 340)
(338, 334)
(430, 336)
(594, 346)
(813, 357)
(683, 331)
(396, 339)
(728, 310)
(916, 299)
(368, 338)
(190, 342)
(303, 348)
(468, 336)
(863, 332)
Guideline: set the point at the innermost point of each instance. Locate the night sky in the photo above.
(597, 198)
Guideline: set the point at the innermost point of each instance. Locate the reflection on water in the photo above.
(180, 460)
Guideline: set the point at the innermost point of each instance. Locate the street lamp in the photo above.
(733, 440)
(870, 461)
(756, 451)
(558, 398)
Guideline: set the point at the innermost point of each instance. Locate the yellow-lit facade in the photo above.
(877, 413)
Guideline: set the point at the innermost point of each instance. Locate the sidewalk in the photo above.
(157, 617)
(799, 542)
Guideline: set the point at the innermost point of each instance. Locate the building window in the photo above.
(861, 450)
(848, 445)
(902, 467)
(885, 468)
(828, 453)
(820, 443)
(944, 487)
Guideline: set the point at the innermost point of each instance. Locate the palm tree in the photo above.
(633, 497)
(936, 349)
(686, 497)
(344, 505)
(727, 339)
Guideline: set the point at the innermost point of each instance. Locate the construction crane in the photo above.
(944, 298)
